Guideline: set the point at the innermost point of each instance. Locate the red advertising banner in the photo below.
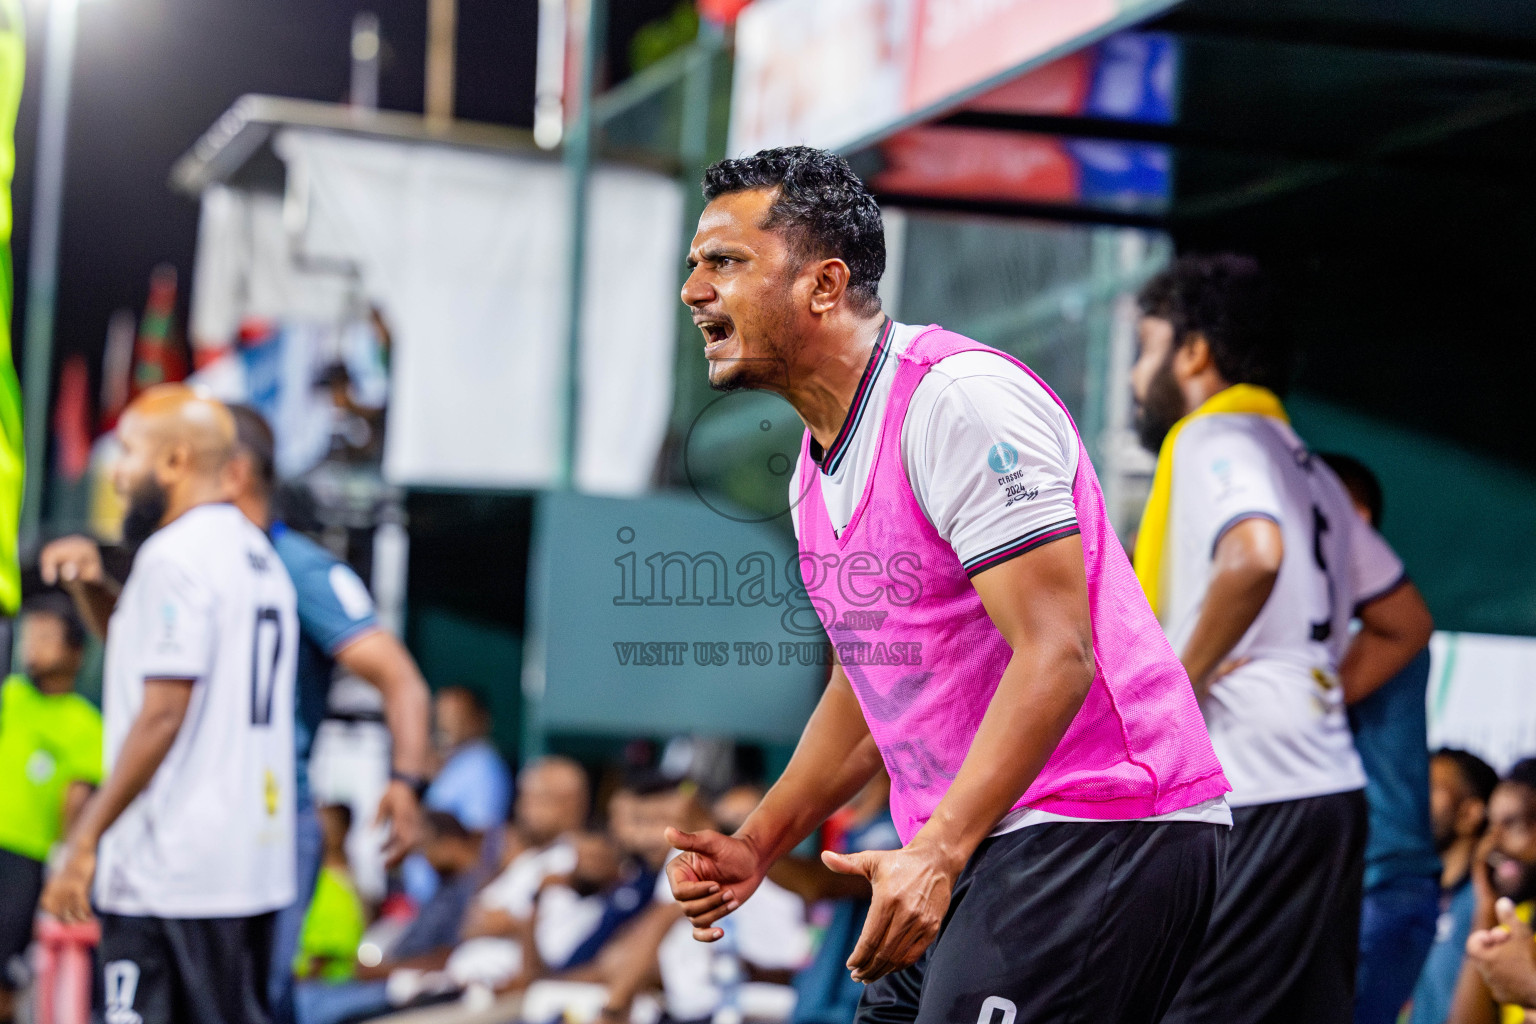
(961, 43)
(834, 74)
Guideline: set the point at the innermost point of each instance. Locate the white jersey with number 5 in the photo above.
(212, 834)
(1277, 722)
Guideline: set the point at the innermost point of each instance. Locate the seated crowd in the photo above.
(571, 910)
(564, 913)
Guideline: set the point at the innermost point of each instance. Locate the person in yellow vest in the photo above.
(1498, 979)
(50, 759)
(336, 920)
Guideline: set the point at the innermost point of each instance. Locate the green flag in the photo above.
(12, 456)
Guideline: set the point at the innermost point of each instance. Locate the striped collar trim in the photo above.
(832, 457)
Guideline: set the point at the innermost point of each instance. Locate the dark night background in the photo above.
(152, 75)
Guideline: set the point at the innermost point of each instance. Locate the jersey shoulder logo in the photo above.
(1002, 457)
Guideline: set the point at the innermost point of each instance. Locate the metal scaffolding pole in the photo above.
(43, 257)
(578, 162)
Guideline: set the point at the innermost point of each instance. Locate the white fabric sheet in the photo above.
(465, 252)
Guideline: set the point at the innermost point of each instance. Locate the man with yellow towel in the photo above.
(1254, 561)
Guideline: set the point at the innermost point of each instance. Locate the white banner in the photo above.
(466, 254)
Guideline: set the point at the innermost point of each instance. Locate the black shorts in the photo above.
(210, 970)
(1068, 921)
(1282, 944)
(21, 883)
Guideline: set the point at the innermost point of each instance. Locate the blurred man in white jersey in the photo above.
(193, 826)
(1254, 560)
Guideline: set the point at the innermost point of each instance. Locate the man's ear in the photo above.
(1193, 357)
(829, 284)
(173, 462)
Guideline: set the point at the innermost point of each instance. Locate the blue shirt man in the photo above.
(335, 609)
(337, 624)
(1402, 866)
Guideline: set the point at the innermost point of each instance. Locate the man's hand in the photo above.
(68, 893)
(1505, 956)
(71, 561)
(911, 896)
(401, 811)
(713, 876)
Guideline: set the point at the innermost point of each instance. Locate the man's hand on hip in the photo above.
(712, 877)
(911, 896)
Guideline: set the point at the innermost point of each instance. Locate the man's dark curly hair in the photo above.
(1227, 299)
(822, 208)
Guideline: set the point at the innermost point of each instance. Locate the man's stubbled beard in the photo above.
(147, 503)
(769, 370)
(1162, 407)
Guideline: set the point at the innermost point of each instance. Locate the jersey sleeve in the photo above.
(182, 632)
(991, 459)
(1221, 478)
(1374, 566)
(335, 607)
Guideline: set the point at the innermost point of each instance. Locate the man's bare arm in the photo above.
(74, 563)
(1393, 629)
(1243, 574)
(835, 757)
(381, 660)
(149, 739)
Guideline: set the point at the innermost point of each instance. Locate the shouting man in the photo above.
(1059, 803)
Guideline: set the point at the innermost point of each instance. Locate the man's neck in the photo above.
(54, 685)
(827, 374)
(1456, 862)
(1201, 389)
(257, 509)
(193, 494)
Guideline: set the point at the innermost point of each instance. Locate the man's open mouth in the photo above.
(715, 331)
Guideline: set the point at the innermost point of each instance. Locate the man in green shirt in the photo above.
(50, 759)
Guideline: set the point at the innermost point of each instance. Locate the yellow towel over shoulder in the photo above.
(1153, 536)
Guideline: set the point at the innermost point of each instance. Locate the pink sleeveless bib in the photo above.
(924, 657)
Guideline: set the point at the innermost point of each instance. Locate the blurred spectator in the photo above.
(552, 803)
(50, 758)
(453, 853)
(473, 784)
(1460, 785)
(826, 993)
(1397, 914)
(334, 924)
(1503, 868)
(573, 915)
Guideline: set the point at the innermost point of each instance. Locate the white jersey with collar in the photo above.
(1277, 722)
(212, 834)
